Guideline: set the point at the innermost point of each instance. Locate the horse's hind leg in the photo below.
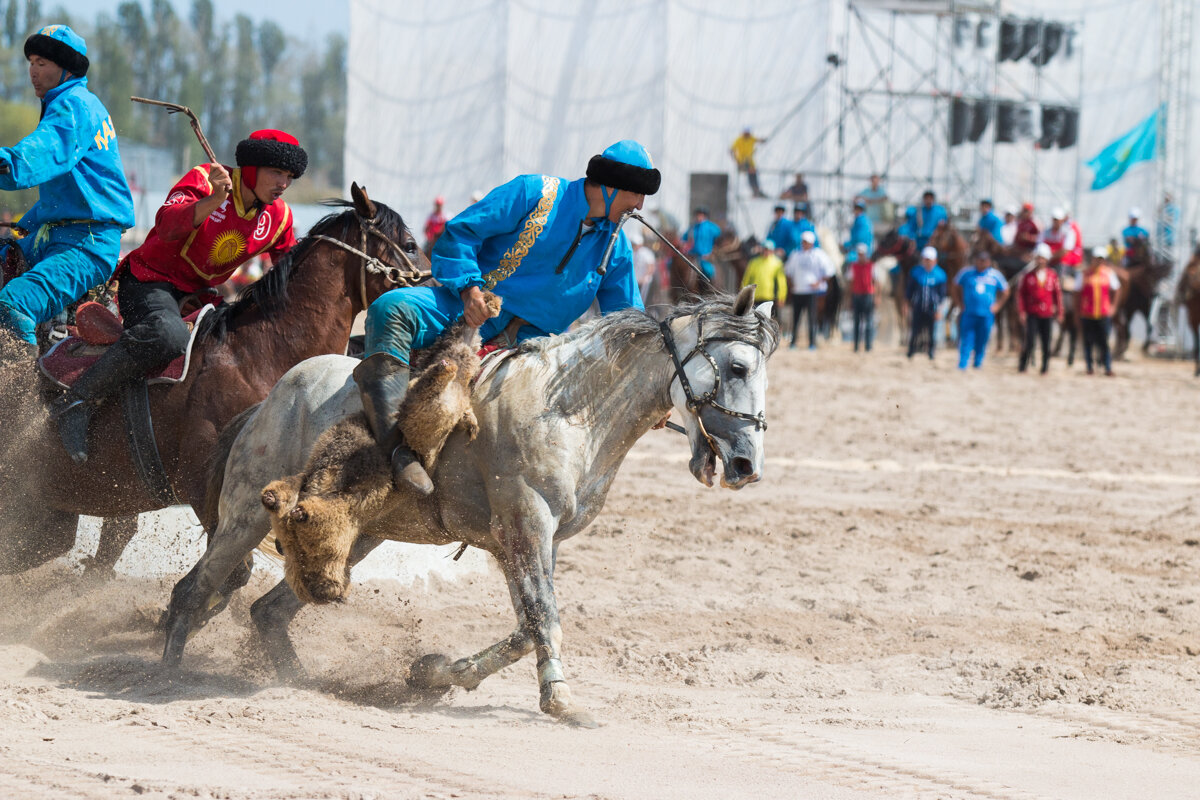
(30, 535)
(115, 535)
(274, 611)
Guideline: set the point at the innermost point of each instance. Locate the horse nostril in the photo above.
(743, 466)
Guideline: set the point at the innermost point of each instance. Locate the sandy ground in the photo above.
(947, 585)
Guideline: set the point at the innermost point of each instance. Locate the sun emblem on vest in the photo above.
(226, 248)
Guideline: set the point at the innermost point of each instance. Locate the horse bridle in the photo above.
(696, 403)
(370, 264)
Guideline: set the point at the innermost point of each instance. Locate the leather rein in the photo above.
(696, 403)
(370, 264)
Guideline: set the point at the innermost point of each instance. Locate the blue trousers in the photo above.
(411, 318)
(973, 334)
(67, 261)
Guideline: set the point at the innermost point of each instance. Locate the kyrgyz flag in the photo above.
(1140, 144)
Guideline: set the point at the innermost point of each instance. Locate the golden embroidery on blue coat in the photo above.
(534, 226)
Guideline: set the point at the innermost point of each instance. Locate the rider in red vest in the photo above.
(214, 220)
(1064, 239)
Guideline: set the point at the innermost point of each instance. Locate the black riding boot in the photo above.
(73, 409)
(383, 382)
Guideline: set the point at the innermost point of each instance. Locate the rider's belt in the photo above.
(44, 231)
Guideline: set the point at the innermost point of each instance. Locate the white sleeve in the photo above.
(1114, 280)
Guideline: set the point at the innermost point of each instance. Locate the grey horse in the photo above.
(555, 423)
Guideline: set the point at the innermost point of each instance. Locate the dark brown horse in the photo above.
(303, 307)
(1145, 271)
(1187, 294)
(904, 250)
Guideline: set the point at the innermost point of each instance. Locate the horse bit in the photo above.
(696, 404)
(370, 263)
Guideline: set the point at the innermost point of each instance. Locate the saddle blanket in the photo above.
(97, 328)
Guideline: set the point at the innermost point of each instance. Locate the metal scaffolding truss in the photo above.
(904, 64)
(1172, 239)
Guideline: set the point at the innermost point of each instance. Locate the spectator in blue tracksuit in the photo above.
(990, 222)
(537, 242)
(1134, 236)
(924, 294)
(861, 231)
(83, 200)
(979, 293)
(800, 224)
(700, 238)
(924, 218)
(780, 231)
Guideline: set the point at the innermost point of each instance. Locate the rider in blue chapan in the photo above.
(699, 240)
(537, 242)
(921, 221)
(83, 200)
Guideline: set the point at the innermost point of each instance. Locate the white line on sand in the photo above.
(890, 466)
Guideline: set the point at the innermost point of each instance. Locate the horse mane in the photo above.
(618, 329)
(270, 292)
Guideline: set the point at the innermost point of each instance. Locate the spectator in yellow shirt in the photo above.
(742, 151)
(765, 271)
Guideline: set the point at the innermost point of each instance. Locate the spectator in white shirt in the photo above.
(808, 271)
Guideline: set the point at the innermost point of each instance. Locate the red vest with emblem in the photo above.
(193, 259)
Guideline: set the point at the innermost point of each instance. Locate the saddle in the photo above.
(95, 329)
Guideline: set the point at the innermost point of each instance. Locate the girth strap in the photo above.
(143, 449)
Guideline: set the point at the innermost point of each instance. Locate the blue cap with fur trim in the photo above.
(60, 44)
(625, 165)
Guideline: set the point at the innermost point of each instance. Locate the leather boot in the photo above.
(383, 382)
(72, 410)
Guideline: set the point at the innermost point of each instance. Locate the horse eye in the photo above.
(410, 246)
(739, 369)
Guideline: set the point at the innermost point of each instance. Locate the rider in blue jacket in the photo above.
(923, 219)
(861, 231)
(700, 238)
(990, 221)
(83, 200)
(537, 242)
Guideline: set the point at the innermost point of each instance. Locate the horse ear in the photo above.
(745, 301)
(764, 309)
(362, 203)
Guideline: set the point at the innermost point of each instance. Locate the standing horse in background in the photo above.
(952, 257)
(1187, 294)
(1010, 261)
(1144, 272)
(904, 250)
(303, 307)
(555, 423)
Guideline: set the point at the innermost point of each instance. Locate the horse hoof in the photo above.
(430, 673)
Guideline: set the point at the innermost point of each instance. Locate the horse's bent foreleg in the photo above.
(234, 539)
(274, 611)
(115, 535)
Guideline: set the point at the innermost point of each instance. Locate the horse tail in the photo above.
(215, 469)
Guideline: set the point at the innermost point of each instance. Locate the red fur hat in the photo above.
(270, 148)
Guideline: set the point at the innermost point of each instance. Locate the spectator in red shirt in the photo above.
(1039, 300)
(1028, 233)
(862, 291)
(435, 223)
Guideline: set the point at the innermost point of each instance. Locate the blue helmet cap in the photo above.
(60, 44)
(625, 165)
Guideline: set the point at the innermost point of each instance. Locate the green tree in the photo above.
(12, 29)
(246, 78)
(33, 15)
(17, 120)
(271, 43)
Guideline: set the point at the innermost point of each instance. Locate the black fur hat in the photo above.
(272, 148)
(57, 50)
(625, 165)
